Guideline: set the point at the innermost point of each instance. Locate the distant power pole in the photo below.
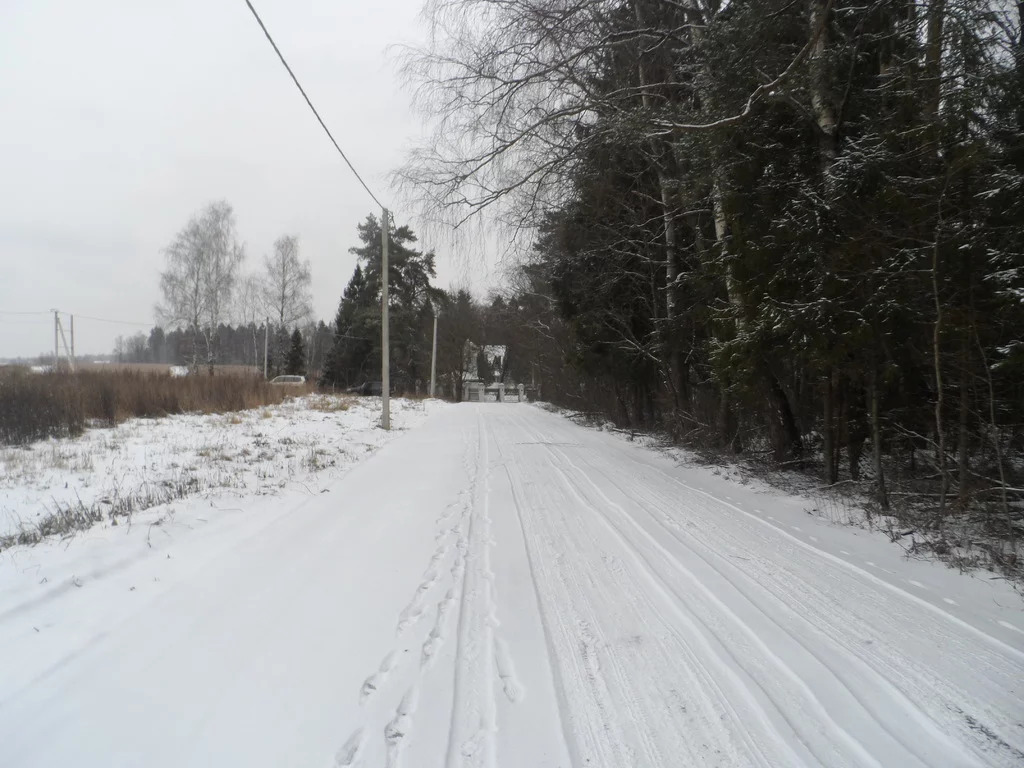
(385, 346)
(266, 344)
(58, 337)
(72, 341)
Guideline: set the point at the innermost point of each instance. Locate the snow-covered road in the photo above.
(501, 587)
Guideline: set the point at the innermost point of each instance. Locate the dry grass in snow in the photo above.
(58, 486)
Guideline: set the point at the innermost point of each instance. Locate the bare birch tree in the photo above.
(250, 310)
(286, 284)
(202, 266)
(224, 256)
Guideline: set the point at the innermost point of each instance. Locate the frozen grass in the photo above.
(34, 406)
(59, 486)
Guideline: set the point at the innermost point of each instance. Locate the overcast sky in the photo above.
(121, 118)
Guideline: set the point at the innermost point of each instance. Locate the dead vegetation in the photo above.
(36, 406)
(65, 518)
(330, 404)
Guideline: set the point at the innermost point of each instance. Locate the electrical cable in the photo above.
(310, 103)
(107, 320)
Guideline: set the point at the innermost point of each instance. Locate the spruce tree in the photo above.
(295, 364)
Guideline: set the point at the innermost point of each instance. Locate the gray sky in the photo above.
(121, 118)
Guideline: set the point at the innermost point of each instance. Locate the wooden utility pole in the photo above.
(433, 354)
(385, 347)
(56, 331)
(72, 341)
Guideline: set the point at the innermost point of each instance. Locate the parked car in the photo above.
(288, 381)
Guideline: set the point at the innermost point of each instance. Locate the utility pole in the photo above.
(433, 354)
(67, 349)
(58, 338)
(266, 343)
(385, 346)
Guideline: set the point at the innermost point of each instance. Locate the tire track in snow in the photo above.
(773, 639)
(852, 568)
(929, 697)
(546, 625)
(603, 721)
(870, 687)
(719, 668)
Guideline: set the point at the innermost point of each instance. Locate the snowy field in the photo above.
(144, 461)
(495, 586)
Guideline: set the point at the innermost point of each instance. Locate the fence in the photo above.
(478, 392)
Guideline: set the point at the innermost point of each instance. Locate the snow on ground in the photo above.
(501, 587)
(143, 461)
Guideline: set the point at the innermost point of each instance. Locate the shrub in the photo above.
(37, 406)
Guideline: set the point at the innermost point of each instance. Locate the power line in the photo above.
(310, 103)
(106, 320)
(76, 315)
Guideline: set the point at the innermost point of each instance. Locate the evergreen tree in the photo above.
(296, 361)
(355, 353)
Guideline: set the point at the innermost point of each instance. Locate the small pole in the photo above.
(385, 347)
(266, 343)
(72, 341)
(56, 351)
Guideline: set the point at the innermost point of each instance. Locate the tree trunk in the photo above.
(789, 442)
(821, 87)
(936, 18)
(728, 428)
(662, 154)
(783, 422)
(857, 430)
(1018, 59)
(940, 432)
(732, 288)
(828, 429)
(994, 425)
(963, 439)
(876, 444)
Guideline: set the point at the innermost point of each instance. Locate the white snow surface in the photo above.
(143, 460)
(501, 587)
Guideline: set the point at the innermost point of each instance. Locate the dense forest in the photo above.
(789, 230)
(235, 344)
